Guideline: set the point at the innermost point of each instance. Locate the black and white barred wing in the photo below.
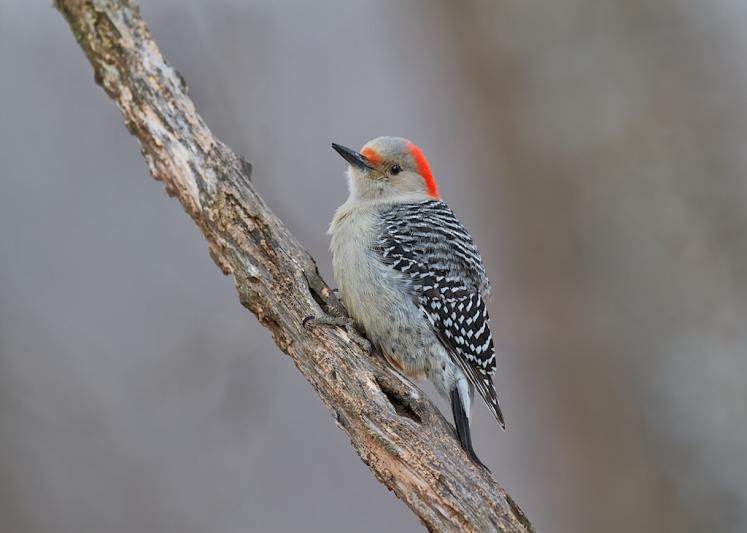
(462, 324)
(427, 243)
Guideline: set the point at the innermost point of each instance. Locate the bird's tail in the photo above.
(461, 421)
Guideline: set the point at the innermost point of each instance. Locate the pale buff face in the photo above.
(393, 169)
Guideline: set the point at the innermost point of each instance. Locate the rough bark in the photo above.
(394, 428)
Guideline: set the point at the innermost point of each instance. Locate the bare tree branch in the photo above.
(396, 431)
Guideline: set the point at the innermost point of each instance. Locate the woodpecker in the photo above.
(411, 277)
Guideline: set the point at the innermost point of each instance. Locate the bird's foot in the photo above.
(344, 322)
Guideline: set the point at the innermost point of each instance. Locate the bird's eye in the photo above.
(396, 169)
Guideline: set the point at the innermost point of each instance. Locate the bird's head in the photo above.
(388, 167)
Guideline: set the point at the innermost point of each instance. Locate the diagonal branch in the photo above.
(396, 431)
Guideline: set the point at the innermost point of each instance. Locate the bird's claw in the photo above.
(344, 322)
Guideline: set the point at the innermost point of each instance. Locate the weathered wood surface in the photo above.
(394, 428)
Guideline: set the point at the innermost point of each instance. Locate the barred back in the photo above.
(430, 247)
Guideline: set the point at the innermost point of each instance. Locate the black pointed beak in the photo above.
(351, 156)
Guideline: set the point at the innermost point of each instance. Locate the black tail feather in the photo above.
(461, 421)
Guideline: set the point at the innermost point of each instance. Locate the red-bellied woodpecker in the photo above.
(411, 277)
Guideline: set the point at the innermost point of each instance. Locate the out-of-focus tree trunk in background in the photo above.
(596, 151)
(623, 208)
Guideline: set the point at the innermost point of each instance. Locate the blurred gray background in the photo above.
(595, 148)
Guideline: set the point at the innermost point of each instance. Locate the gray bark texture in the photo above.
(395, 429)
